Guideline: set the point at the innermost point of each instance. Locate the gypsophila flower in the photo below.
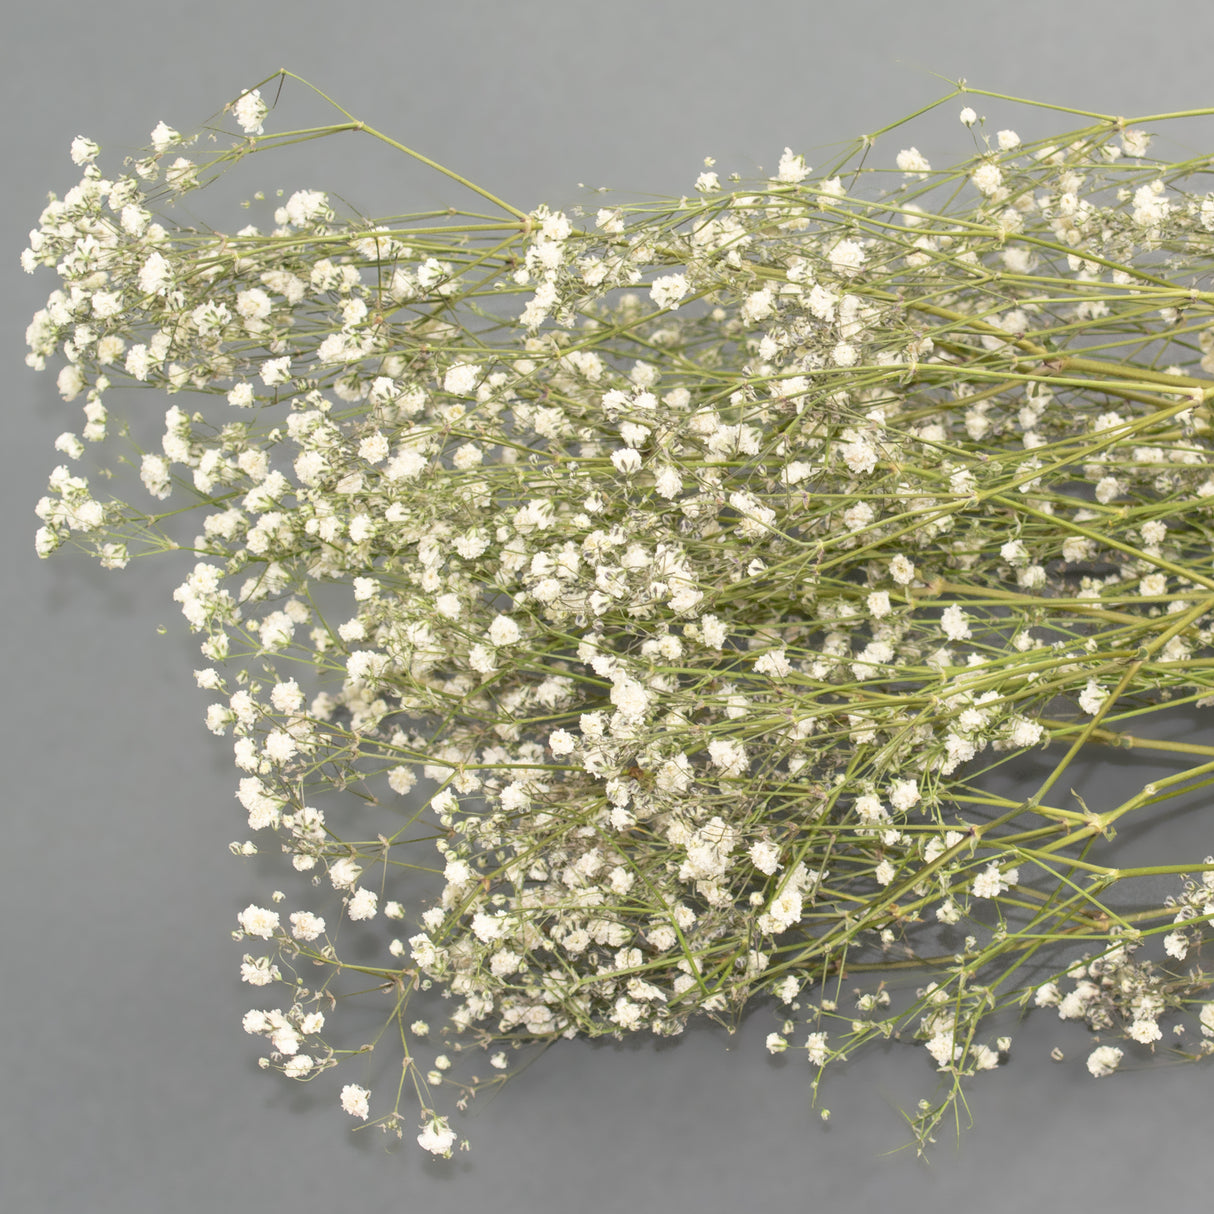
(792, 167)
(354, 1100)
(437, 1136)
(902, 570)
(306, 926)
(987, 178)
(953, 623)
(668, 290)
(911, 160)
(362, 904)
(673, 617)
(1104, 1060)
(257, 921)
(249, 110)
(1092, 698)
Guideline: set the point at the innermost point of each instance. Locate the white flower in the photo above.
(668, 290)
(354, 1100)
(362, 904)
(728, 755)
(276, 370)
(847, 258)
(774, 663)
(990, 883)
(504, 631)
(155, 275)
(859, 457)
(792, 167)
(344, 873)
(911, 160)
(297, 1067)
(1135, 142)
(1047, 995)
(1206, 1019)
(630, 697)
(249, 110)
(953, 623)
(1092, 698)
(904, 795)
(765, 856)
(437, 1137)
(987, 178)
(306, 926)
(902, 570)
(487, 928)
(758, 306)
(1144, 1030)
(84, 151)
(1008, 140)
(461, 378)
(257, 921)
(968, 116)
(878, 604)
(1025, 733)
(163, 136)
(627, 460)
(1176, 944)
(844, 354)
(1104, 1060)
(815, 1046)
(259, 972)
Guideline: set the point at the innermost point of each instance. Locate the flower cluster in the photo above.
(670, 573)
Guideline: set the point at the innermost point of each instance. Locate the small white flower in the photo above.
(1092, 698)
(1104, 1060)
(163, 136)
(84, 151)
(953, 623)
(257, 921)
(460, 380)
(792, 167)
(504, 631)
(306, 926)
(847, 258)
(987, 178)
(1144, 1030)
(249, 110)
(437, 1137)
(627, 460)
(362, 905)
(354, 1100)
(1176, 944)
(911, 160)
(1135, 142)
(668, 290)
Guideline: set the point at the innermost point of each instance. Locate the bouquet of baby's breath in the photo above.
(663, 583)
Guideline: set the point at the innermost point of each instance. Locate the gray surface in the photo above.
(128, 1084)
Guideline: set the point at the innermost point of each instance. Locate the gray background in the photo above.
(127, 1083)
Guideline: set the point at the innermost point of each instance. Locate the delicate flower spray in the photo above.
(668, 580)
